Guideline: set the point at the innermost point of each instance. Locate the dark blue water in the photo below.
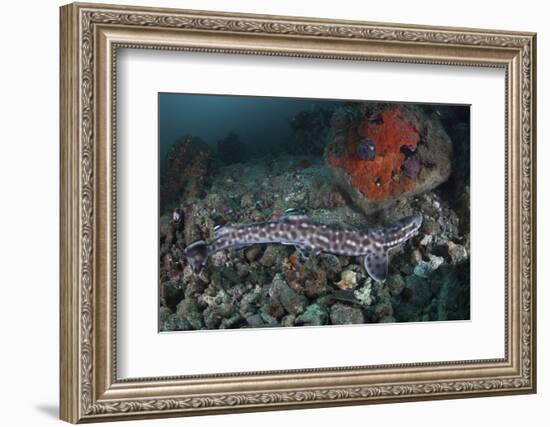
(262, 123)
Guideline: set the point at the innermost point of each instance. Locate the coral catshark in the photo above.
(306, 235)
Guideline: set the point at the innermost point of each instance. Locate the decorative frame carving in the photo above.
(90, 36)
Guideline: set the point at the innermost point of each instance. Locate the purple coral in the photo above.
(408, 150)
(366, 149)
(412, 167)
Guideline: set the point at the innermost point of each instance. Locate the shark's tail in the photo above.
(402, 230)
(197, 255)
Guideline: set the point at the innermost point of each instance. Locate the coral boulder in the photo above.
(411, 153)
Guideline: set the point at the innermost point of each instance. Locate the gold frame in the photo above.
(90, 36)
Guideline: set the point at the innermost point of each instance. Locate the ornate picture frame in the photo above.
(90, 37)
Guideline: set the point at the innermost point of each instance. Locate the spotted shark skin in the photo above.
(306, 235)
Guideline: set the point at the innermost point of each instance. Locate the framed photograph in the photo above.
(267, 212)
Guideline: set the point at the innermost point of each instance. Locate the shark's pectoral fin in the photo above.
(304, 253)
(376, 265)
(197, 255)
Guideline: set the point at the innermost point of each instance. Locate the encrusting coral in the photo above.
(382, 176)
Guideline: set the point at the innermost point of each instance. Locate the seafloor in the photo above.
(275, 285)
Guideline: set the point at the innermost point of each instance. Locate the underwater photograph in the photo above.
(290, 212)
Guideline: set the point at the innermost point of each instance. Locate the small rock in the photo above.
(288, 320)
(213, 316)
(255, 321)
(257, 276)
(195, 287)
(325, 300)
(426, 240)
(188, 309)
(330, 264)
(229, 276)
(216, 279)
(268, 319)
(429, 226)
(219, 258)
(426, 268)
(173, 292)
(407, 312)
(364, 294)
(242, 271)
(164, 314)
(292, 302)
(316, 284)
(395, 284)
(271, 255)
(420, 291)
(383, 307)
(247, 201)
(457, 253)
(315, 315)
(341, 314)
(348, 280)
(187, 274)
(387, 319)
(232, 322)
(253, 253)
(175, 323)
(249, 304)
(204, 276)
(274, 308)
(416, 256)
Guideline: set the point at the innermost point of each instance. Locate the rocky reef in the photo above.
(185, 170)
(231, 149)
(309, 129)
(376, 164)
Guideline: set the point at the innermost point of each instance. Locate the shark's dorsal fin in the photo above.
(293, 214)
(220, 230)
(376, 264)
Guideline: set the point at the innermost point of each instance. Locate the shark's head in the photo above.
(197, 254)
